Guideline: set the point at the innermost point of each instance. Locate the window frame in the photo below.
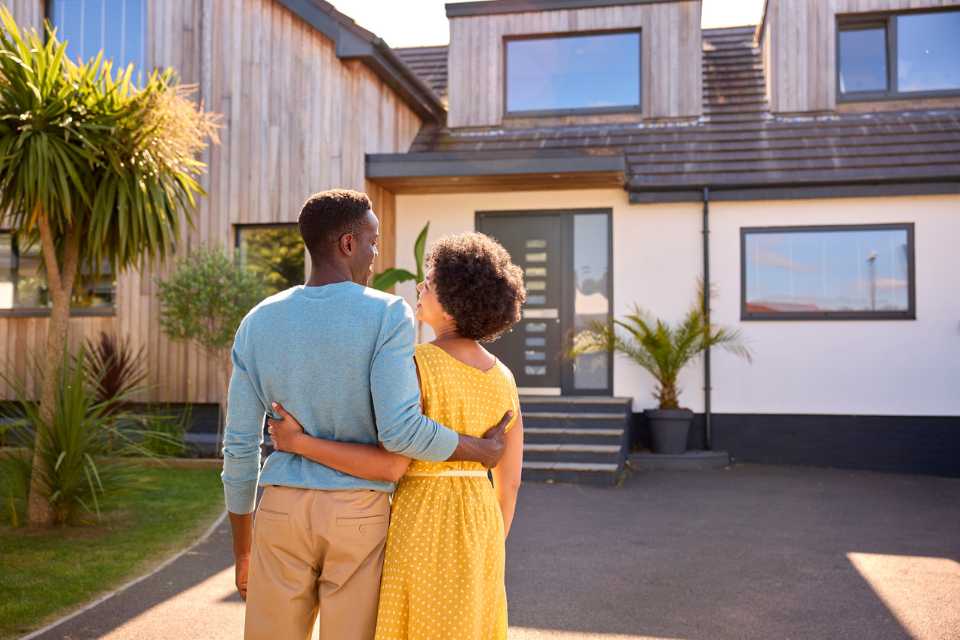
(534, 113)
(909, 314)
(239, 228)
(888, 21)
(44, 312)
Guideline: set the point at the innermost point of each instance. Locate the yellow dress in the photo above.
(443, 575)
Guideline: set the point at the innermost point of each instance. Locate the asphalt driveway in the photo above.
(748, 552)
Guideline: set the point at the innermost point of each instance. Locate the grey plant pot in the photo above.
(669, 429)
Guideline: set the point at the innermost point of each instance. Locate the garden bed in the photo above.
(48, 573)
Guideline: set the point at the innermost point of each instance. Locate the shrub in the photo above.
(82, 447)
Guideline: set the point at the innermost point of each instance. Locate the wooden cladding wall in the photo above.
(671, 55)
(296, 120)
(799, 46)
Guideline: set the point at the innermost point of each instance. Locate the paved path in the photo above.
(748, 553)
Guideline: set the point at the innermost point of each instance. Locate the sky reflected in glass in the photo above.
(581, 72)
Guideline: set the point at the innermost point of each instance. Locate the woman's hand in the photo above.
(286, 434)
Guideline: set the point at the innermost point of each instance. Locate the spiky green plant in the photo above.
(83, 447)
(95, 169)
(661, 348)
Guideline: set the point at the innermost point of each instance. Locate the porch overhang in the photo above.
(458, 172)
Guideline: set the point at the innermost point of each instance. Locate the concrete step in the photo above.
(594, 473)
(574, 404)
(574, 453)
(546, 435)
(567, 420)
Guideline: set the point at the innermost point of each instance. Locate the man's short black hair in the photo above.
(327, 215)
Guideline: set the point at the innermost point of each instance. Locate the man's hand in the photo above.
(486, 450)
(241, 572)
(241, 526)
(285, 433)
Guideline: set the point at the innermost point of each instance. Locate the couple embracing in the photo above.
(358, 412)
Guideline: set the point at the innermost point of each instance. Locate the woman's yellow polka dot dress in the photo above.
(443, 572)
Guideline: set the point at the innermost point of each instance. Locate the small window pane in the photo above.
(928, 51)
(863, 60)
(827, 271)
(6, 271)
(114, 26)
(536, 272)
(275, 254)
(591, 258)
(535, 371)
(536, 327)
(576, 72)
(31, 277)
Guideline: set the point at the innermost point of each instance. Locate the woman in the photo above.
(443, 574)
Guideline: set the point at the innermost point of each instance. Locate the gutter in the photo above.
(707, 388)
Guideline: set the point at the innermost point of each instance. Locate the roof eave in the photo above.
(458, 164)
(352, 42)
(496, 7)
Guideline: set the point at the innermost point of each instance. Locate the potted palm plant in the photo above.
(663, 350)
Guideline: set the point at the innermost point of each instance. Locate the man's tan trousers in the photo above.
(316, 551)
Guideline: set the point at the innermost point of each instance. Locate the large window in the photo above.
(582, 72)
(841, 272)
(905, 55)
(23, 281)
(274, 252)
(115, 26)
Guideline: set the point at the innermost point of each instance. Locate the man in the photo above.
(340, 357)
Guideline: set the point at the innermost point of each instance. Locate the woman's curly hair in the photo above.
(477, 284)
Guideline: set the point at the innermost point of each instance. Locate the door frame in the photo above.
(567, 284)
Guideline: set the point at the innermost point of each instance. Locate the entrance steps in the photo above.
(580, 439)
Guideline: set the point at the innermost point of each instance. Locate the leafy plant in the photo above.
(81, 447)
(660, 348)
(115, 365)
(386, 280)
(95, 169)
(206, 297)
(204, 301)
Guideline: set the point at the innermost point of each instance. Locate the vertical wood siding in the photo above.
(671, 56)
(800, 48)
(296, 120)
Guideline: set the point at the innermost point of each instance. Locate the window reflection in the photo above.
(863, 60)
(275, 253)
(591, 302)
(928, 51)
(573, 72)
(115, 26)
(23, 278)
(827, 271)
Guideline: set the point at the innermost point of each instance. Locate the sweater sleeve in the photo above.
(402, 428)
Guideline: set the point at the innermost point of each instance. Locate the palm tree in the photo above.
(660, 348)
(95, 169)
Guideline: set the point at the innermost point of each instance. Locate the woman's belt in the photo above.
(449, 473)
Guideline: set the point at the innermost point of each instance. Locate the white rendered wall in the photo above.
(879, 367)
(850, 367)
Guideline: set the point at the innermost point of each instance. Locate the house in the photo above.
(808, 168)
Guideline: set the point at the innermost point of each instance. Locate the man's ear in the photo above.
(347, 244)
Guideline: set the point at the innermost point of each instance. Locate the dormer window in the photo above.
(898, 56)
(576, 73)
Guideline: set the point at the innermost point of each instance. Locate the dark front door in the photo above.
(540, 246)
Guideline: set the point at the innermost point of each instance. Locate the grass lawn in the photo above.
(47, 573)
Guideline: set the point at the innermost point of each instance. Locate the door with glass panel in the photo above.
(565, 259)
